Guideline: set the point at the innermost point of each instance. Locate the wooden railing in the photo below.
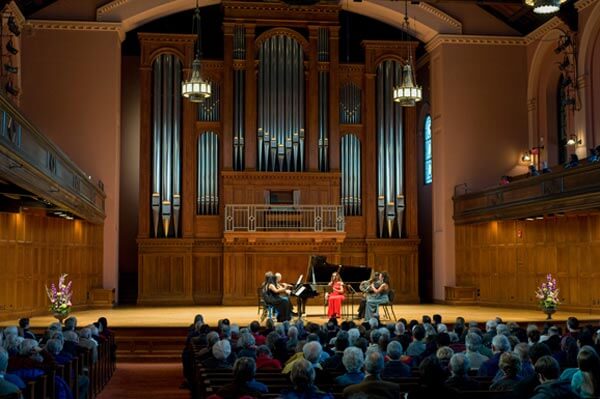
(563, 190)
(31, 161)
(307, 218)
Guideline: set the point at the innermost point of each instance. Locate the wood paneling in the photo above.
(35, 250)
(507, 260)
(165, 271)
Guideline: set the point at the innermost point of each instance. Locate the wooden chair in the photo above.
(389, 306)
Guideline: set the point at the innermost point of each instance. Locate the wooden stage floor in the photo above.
(181, 316)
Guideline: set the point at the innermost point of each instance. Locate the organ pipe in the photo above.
(350, 103)
(208, 110)
(208, 174)
(280, 130)
(390, 169)
(350, 162)
(166, 146)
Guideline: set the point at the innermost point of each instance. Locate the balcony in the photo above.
(252, 221)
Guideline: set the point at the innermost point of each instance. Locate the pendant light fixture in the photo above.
(196, 89)
(408, 93)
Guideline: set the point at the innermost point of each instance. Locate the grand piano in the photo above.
(318, 276)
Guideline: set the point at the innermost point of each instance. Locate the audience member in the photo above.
(459, 378)
(353, 361)
(510, 367)
(372, 385)
(394, 368)
(302, 376)
(244, 383)
(547, 370)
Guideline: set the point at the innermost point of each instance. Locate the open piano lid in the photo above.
(320, 272)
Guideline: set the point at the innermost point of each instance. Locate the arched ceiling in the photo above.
(426, 21)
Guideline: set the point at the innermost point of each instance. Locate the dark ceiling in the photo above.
(515, 13)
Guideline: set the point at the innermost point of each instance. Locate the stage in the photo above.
(182, 316)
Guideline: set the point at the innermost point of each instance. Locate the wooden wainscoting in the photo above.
(35, 250)
(165, 271)
(507, 260)
(400, 258)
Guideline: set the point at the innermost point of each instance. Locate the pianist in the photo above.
(276, 294)
(335, 298)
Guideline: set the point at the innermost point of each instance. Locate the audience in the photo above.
(368, 360)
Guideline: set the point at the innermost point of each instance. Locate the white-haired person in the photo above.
(459, 374)
(86, 341)
(222, 357)
(6, 387)
(500, 344)
(372, 385)
(246, 345)
(353, 361)
(472, 344)
(302, 376)
(395, 368)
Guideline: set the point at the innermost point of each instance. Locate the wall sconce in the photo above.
(526, 157)
(573, 140)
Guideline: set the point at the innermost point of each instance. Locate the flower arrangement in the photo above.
(547, 293)
(60, 296)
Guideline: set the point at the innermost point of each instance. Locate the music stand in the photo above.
(351, 291)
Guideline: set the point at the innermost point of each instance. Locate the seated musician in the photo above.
(378, 297)
(335, 298)
(275, 294)
(366, 288)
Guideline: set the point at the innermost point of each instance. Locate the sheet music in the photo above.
(299, 280)
(300, 291)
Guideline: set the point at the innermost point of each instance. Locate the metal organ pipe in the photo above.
(390, 204)
(166, 145)
(280, 104)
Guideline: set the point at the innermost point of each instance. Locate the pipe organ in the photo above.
(166, 145)
(288, 125)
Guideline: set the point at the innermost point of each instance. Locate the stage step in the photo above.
(150, 344)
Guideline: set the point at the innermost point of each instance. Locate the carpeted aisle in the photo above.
(145, 381)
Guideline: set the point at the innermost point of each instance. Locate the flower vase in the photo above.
(549, 312)
(61, 316)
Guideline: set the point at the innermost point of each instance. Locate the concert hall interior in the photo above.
(168, 153)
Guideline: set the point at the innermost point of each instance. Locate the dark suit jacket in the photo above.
(375, 388)
(395, 369)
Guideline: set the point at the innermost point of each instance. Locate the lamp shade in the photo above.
(196, 89)
(546, 6)
(407, 94)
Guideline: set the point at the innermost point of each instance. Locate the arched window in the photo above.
(427, 158)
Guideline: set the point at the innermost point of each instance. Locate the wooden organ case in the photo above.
(294, 154)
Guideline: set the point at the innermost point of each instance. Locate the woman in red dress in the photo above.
(334, 307)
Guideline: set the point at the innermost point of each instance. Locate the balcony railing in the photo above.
(306, 218)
